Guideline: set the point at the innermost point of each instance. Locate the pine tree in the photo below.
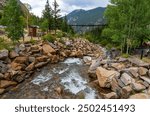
(56, 12)
(12, 19)
(64, 26)
(48, 15)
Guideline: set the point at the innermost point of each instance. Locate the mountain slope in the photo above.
(89, 17)
(24, 9)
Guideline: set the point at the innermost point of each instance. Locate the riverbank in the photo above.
(22, 72)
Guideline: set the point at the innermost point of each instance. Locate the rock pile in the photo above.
(126, 78)
(25, 59)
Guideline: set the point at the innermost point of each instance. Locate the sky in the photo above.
(66, 6)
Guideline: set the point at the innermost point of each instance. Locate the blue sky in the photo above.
(66, 6)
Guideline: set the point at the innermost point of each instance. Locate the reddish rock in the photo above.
(137, 87)
(17, 66)
(7, 76)
(41, 64)
(139, 96)
(5, 83)
(143, 71)
(105, 76)
(21, 60)
(134, 71)
(48, 49)
(13, 54)
(118, 66)
(30, 67)
(42, 59)
(54, 59)
(115, 86)
(125, 92)
(111, 95)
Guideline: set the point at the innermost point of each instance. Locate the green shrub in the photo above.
(61, 34)
(125, 55)
(48, 37)
(6, 45)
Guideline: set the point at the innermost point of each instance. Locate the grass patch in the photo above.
(125, 55)
(145, 59)
(4, 44)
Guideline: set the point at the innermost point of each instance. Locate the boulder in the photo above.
(21, 60)
(115, 86)
(118, 66)
(134, 71)
(30, 67)
(7, 76)
(111, 95)
(76, 53)
(22, 47)
(87, 59)
(41, 64)
(143, 71)
(126, 78)
(1, 76)
(5, 83)
(145, 79)
(125, 92)
(122, 59)
(95, 64)
(42, 59)
(58, 90)
(3, 54)
(120, 83)
(20, 77)
(17, 66)
(48, 49)
(137, 87)
(63, 54)
(3, 67)
(139, 96)
(2, 91)
(105, 76)
(13, 54)
(34, 47)
(145, 84)
(31, 59)
(54, 59)
(138, 62)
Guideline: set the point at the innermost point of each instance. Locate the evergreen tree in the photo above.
(56, 12)
(12, 19)
(128, 22)
(48, 16)
(64, 24)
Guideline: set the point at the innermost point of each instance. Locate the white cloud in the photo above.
(66, 6)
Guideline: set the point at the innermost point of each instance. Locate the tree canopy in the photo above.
(128, 23)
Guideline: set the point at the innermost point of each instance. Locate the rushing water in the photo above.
(71, 76)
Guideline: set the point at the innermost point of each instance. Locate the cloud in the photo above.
(66, 6)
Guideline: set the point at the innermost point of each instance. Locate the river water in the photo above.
(65, 80)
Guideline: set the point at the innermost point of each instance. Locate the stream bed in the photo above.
(64, 80)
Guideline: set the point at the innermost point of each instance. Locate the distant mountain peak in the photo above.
(85, 17)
